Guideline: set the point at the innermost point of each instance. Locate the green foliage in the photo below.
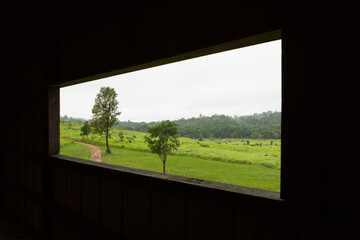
(105, 112)
(85, 130)
(121, 136)
(163, 139)
(266, 125)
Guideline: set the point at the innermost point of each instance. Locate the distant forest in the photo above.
(265, 125)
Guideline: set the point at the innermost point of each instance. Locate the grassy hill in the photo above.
(223, 160)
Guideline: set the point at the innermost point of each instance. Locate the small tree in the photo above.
(105, 113)
(163, 139)
(121, 136)
(85, 129)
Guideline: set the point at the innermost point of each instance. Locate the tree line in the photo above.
(265, 125)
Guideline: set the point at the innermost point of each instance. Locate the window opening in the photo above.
(226, 108)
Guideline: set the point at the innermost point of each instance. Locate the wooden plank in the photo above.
(29, 209)
(217, 222)
(111, 205)
(20, 206)
(38, 219)
(91, 197)
(21, 141)
(168, 217)
(39, 178)
(272, 228)
(29, 131)
(54, 119)
(136, 213)
(39, 128)
(195, 220)
(74, 190)
(207, 221)
(244, 226)
(73, 233)
(58, 229)
(59, 185)
(21, 171)
(8, 167)
(29, 176)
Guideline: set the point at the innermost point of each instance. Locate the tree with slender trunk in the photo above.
(105, 113)
(163, 139)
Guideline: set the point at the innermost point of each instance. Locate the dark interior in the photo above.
(50, 44)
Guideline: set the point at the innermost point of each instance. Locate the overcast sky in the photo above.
(237, 82)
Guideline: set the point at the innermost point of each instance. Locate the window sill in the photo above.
(155, 180)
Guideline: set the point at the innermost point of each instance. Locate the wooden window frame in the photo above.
(54, 123)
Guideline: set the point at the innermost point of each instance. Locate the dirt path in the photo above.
(95, 151)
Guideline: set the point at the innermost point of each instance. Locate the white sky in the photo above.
(237, 82)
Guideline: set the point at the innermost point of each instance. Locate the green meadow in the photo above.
(233, 161)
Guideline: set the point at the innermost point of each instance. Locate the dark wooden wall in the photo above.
(47, 44)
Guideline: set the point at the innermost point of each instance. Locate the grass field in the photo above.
(222, 160)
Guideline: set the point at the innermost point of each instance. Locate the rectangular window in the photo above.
(224, 113)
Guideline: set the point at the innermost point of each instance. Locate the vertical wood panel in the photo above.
(21, 206)
(195, 220)
(13, 201)
(217, 222)
(59, 183)
(244, 226)
(111, 205)
(38, 178)
(38, 218)
(21, 171)
(29, 208)
(7, 197)
(29, 177)
(91, 197)
(8, 167)
(21, 121)
(73, 233)
(167, 217)
(271, 227)
(54, 119)
(136, 213)
(58, 229)
(38, 127)
(14, 169)
(74, 190)
(29, 140)
(208, 221)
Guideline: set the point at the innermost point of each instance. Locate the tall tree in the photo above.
(85, 129)
(105, 113)
(163, 139)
